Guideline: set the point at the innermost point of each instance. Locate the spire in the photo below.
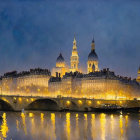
(93, 40)
(93, 44)
(74, 43)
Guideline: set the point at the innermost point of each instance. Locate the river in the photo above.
(69, 126)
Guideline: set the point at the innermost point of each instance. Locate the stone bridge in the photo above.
(17, 103)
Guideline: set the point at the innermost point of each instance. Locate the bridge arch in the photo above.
(44, 105)
(5, 106)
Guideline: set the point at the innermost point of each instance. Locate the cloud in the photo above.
(32, 33)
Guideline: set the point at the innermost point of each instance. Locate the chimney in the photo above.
(56, 74)
(59, 75)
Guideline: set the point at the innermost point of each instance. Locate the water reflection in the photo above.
(103, 123)
(112, 125)
(24, 124)
(85, 126)
(17, 124)
(69, 126)
(121, 125)
(93, 127)
(53, 126)
(77, 126)
(4, 127)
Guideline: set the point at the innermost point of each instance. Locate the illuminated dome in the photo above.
(92, 56)
(139, 70)
(60, 61)
(60, 58)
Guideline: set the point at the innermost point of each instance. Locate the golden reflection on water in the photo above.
(93, 129)
(17, 125)
(103, 125)
(33, 128)
(4, 127)
(126, 121)
(53, 126)
(42, 119)
(24, 123)
(77, 126)
(85, 126)
(68, 127)
(112, 125)
(121, 125)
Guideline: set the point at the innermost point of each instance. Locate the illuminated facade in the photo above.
(102, 84)
(69, 82)
(138, 77)
(30, 82)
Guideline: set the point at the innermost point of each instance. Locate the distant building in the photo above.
(69, 81)
(74, 61)
(138, 77)
(61, 68)
(99, 85)
(30, 82)
(92, 63)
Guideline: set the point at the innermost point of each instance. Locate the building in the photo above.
(33, 82)
(61, 68)
(65, 81)
(102, 84)
(92, 63)
(74, 61)
(138, 77)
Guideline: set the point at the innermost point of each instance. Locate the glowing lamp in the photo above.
(80, 102)
(68, 103)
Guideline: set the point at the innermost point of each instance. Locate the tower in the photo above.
(61, 67)
(138, 77)
(92, 63)
(74, 61)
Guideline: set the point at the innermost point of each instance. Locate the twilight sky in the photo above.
(33, 32)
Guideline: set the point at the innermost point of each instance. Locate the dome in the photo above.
(92, 56)
(139, 70)
(60, 58)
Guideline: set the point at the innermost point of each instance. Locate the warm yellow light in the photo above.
(85, 115)
(112, 116)
(80, 102)
(20, 99)
(38, 90)
(31, 115)
(24, 123)
(68, 102)
(32, 99)
(89, 102)
(15, 98)
(98, 102)
(4, 127)
(27, 100)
